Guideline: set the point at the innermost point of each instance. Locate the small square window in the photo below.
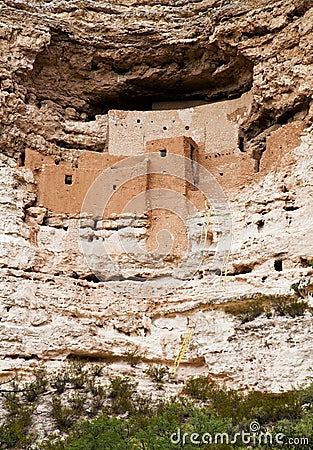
(68, 179)
(163, 153)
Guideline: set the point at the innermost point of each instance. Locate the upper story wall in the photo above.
(213, 126)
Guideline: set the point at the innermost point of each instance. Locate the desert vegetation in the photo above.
(86, 415)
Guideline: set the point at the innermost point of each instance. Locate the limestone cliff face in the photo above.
(63, 66)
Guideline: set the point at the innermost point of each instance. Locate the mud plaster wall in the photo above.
(280, 145)
(214, 125)
(62, 186)
(52, 191)
(231, 168)
(181, 146)
(173, 190)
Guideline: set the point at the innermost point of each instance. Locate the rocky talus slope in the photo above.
(63, 66)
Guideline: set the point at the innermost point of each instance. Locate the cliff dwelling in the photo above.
(205, 135)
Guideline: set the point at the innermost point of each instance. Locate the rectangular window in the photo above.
(68, 179)
(163, 153)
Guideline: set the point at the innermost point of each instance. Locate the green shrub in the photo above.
(95, 370)
(301, 430)
(307, 396)
(246, 311)
(149, 424)
(143, 405)
(62, 414)
(290, 307)
(133, 357)
(261, 406)
(37, 387)
(97, 402)
(52, 442)
(77, 402)
(121, 392)
(15, 432)
(135, 421)
(157, 373)
(225, 403)
(12, 401)
(60, 380)
(198, 388)
(105, 433)
(297, 308)
(267, 408)
(78, 374)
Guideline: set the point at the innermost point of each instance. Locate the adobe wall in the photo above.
(181, 146)
(123, 199)
(172, 242)
(178, 145)
(213, 125)
(211, 130)
(280, 145)
(174, 193)
(52, 191)
(232, 169)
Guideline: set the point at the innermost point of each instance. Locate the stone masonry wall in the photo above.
(209, 125)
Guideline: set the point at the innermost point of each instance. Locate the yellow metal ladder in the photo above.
(181, 353)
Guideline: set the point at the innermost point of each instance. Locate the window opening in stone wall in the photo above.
(278, 265)
(22, 158)
(163, 153)
(241, 144)
(114, 187)
(68, 179)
